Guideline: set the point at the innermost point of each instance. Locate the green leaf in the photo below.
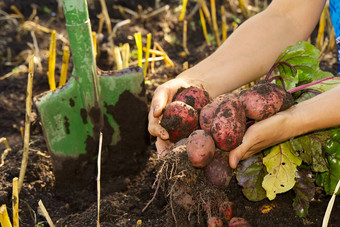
(299, 63)
(304, 190)
(281, 165)
(310, 149)
(249, 175)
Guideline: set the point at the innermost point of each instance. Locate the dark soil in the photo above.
(129, 173)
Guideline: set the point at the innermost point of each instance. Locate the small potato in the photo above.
(214, 222)
(193, 96)
(179, 120)
(218, 172)
(200, 148)
(229, 123)
(238, 222)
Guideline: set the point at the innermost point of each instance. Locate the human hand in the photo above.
(163, 95)
(262, 135)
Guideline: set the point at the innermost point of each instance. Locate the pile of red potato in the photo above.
(210, 128)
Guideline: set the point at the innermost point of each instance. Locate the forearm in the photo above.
(319, 112)
(253, 48)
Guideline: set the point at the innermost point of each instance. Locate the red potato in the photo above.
(200, 148)
(180, 120)
(208, 112)
(229, 123)
(238, 222)
(193, 96)
(227, 210)
(218, 172)
(214, 222)
(264, 100)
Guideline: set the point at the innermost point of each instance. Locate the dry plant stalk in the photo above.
(138, 39)
(204, 27)
(37, 58)
(63, 73)
(8, 149)
(185, 65)
(51, 61)
(44, 213)
(126, 55)
(101, 23)
(184, 7)
(330, 206)
(167, 60)
(15, 71)
(17, 12)
(106, 16)
(185, 37)
(4, 218)
(153, 59)
(147, 53)
(224, 23)
(244, 9)
(214, 21)
(15, 202)
(94, 41)
(27, 122)
(98, 176)
(118, 58)
(139, 223)
(205, 9)
(321, 31)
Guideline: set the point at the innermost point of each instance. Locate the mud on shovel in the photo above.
(73, 115)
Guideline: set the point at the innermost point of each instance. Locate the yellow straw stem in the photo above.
(27, 122)
(63, 74)
(101, 23)
(4, 218)
(94, 41)
(4, 154)
(51, 61)
(184, 6)
(322, 25)
(224, 24)
(185, 37)
(147, 53)
(244, 8)
(167, 60)
(15, 202)
(332, 41)
(106, 16)
(153, 57)
(204, 27)
(17, 12)
(214, 20)
(138, 39)
(205, 9)
(126, 55)
(118, 58)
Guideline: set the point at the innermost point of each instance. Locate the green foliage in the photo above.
(278, 168)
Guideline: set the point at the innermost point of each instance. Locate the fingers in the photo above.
(155, 129)
(236, 155)
(159, 101)
(163, 147)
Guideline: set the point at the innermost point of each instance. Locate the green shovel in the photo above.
(73, 116)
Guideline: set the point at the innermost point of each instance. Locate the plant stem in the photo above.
(299, 88)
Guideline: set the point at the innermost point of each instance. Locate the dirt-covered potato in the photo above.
(264, 100)
(179, 120)
(208, 112)
(229, 123)
(193, 96)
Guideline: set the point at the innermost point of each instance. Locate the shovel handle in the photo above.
(80, 36)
